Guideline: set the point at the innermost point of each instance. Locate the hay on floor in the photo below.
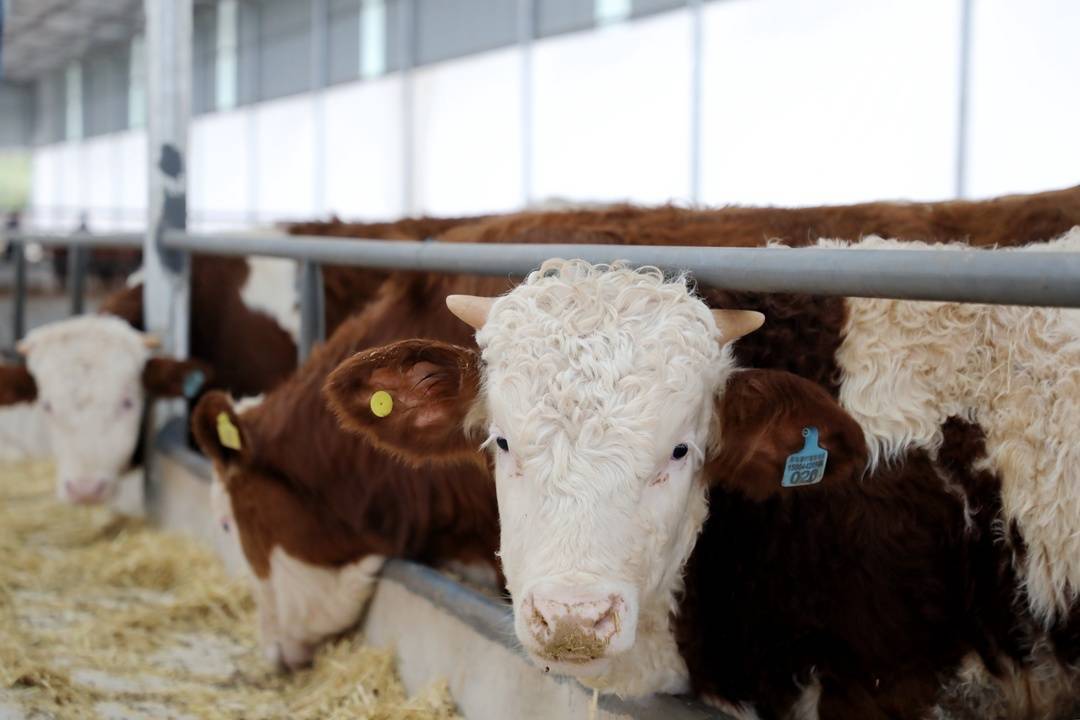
(102, 616)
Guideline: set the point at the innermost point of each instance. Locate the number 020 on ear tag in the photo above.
(807, 466)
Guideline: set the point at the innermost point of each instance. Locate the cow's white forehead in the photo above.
(592, 356)
(85, 355)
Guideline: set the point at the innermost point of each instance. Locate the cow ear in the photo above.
(16, 385)
(218, 430)
(168, 377)
(765, 417)
(413, 398)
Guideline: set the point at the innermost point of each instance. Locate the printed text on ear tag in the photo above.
(227, 432)
(381, 403)
(807, 466)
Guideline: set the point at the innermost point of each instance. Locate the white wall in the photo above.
(363, 175)
(612, 112)
(1025, 96)
(467, 135)
(829, 102)
(826, 102)
(220, 167)
(104, 176)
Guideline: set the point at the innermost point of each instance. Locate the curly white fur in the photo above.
(592, 375)
(907, 366)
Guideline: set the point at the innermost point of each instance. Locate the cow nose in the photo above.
(574, 628)
(86, 492)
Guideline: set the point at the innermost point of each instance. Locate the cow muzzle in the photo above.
(574, 627)
(87, 491)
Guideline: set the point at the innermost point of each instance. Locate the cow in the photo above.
(653, 541)
(91, 376)
(316, 512)
(242, 337)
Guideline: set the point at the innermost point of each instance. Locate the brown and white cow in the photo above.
(242, 337)
(91, 376)
(317, 511)
(647, 537)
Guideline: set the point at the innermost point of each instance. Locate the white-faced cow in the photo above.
(655, 538)
(91, 377)
(242, 333)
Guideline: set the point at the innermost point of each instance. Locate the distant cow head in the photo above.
(90, 376)
(597, 390)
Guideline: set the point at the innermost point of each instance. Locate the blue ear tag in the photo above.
(193, 382)
(807, 466)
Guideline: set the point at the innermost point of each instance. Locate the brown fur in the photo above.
(16, 385)
(247, 350)
(303, 483)
(348, 289)
(166, 377)
(860, 584)
(426, 381)
(1004, 221)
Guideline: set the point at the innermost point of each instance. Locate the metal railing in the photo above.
(977, 276)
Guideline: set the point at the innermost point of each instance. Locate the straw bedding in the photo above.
(102, 616)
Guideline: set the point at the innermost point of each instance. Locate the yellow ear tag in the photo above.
(381, 403)
(227, 432)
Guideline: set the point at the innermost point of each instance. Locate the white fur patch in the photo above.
(136, 278)
(23, 433)
(907, 366)
(302, 604)
(271, 287)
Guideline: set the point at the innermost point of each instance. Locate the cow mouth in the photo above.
(571, 643)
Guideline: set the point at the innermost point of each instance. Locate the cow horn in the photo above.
(470, 308)
(733, 324)
(151, 341)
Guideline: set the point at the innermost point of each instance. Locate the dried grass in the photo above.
(102, 616)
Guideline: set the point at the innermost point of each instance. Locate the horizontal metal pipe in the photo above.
(132, 240)
(979, 276)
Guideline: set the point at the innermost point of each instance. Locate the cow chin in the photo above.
(577, 630)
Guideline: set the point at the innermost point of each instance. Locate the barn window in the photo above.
(136, 110)
(226, 65)
(73, 127)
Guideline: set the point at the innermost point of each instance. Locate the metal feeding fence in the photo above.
(977, 276)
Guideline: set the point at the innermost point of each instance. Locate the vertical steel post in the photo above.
(166, 287)
(76, 277)
(696, 80)
(312, 308)
(964, 82)
(18, 305)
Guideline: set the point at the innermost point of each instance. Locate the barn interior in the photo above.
(284, 134)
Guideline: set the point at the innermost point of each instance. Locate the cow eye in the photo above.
(679, 452)
(127, 404)
(503, 445)
(46, 406)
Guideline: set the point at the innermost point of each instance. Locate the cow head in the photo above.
(596, 389)
(90, 376)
